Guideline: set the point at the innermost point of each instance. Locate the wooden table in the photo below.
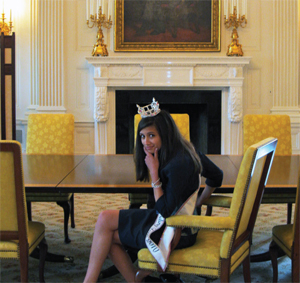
(116, 174)
(43, 173)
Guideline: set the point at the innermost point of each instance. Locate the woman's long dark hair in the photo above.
(172, 142)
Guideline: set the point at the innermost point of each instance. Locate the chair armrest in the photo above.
(201, 222)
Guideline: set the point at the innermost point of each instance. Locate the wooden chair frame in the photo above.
(275, 250)
(21, 234)
(267, 149)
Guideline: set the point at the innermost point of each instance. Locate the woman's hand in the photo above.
(153, 165)
(152, 162)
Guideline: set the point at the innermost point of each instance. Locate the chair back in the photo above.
(13, 215)
(50, 134)
(259, 127)
(248, 191)
(182, 121)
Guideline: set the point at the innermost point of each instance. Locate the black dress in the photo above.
(179, 181)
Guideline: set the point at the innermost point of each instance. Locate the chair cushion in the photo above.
(278, 198)
(138, 198)
(48, 197)
(203, 258)
(36, 232)
(283, 236)
(225, 201)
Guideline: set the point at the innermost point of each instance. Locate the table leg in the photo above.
(52, 257)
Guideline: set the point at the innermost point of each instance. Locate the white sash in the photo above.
(161, 252)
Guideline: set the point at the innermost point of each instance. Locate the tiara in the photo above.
(149, 110)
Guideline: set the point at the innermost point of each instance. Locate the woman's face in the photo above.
(150, 139)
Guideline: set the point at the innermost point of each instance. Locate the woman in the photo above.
(173, 165)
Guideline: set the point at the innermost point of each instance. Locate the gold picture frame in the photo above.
(158, 25)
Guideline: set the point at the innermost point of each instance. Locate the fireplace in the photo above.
(202, 106)
(185, 72)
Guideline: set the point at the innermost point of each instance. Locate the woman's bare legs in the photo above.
(106, 241)
(122, 261)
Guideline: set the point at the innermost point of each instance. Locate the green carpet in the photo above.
(87, 208)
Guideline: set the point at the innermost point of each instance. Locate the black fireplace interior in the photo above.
(202, 106)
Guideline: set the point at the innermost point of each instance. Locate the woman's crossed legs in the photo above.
(106, 242)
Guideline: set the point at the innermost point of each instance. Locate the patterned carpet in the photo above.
(87, 208)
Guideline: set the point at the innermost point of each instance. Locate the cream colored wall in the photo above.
(75, 42)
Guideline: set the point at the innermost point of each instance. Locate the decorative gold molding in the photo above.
(123, 44)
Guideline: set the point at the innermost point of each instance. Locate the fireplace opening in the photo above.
(202, 106)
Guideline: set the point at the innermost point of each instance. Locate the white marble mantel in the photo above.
(171, 72)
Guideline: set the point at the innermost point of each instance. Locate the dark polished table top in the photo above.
(116, 174)
(44, 172)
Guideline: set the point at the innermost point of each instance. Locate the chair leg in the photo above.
(29, 212)
(295, 267)
(72, 211)
(66, 207)
(24, 263)
(225, 270)
(246, 269)
(208, 210)
(43, 253)
(274, 254)
(289, 212)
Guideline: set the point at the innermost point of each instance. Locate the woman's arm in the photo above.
(210, 171)
(213, 175)
(180, 181)
(205, 195)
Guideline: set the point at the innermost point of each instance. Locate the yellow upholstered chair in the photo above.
(286, 238)
(52, 134)
(18, 236)
(183, 123)
(223, 243)
(256, 128)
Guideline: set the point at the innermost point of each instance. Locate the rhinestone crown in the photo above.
(149, 110)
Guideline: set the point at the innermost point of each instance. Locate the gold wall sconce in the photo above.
(99, 19)
(233, 10)
(5, 27)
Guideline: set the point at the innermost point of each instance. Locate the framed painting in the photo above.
(171, 25)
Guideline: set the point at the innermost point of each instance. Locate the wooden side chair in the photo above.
(256, 128)
(223, 243)
(52, 134)
(18, 236)
(286, 238)
(183, 123)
